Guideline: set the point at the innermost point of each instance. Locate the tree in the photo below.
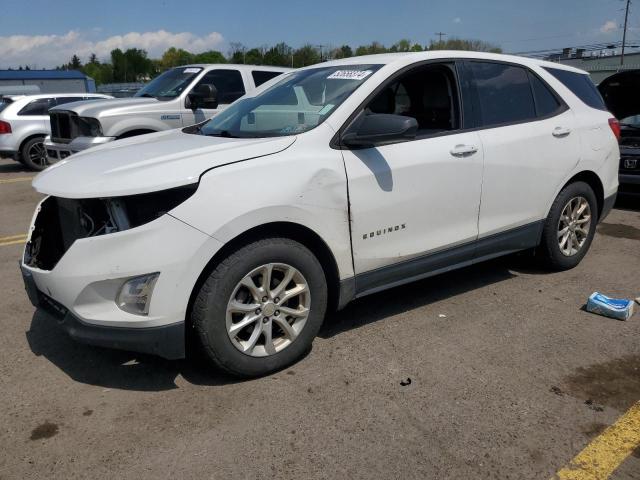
(464, 44)
(253, 57)
(210, 56)
(371, 49)
(403, 45)
(306, 55)
(237, 52)
(174, 57)
(342, 52)
(279, 55)
(93, 58)
(75, 63)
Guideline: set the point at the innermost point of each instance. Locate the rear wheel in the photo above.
(261, 307)
(570, 226)
(33, 154)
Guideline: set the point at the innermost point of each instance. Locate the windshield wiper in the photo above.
(147, 95)
(222, 133)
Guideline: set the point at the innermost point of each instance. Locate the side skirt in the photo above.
(424, 266)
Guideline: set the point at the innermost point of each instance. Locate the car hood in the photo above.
(149, 163)
(621, 93)
(106, 107)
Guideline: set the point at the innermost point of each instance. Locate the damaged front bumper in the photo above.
(80, 288)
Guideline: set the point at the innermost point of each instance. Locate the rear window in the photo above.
(581, 86)
(260, 77)
(4, 102)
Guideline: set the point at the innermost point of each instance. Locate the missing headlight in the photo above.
(62, 221)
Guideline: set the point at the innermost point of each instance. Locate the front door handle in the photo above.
(560, 132)
(463, 150)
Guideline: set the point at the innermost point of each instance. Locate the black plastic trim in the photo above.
(167, 341)
(514, 240)
(608, 204)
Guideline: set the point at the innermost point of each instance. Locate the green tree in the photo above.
(371, 49)
(279, 55)
(174, 57)
(342, 52)
(306, 55)
(403, 45)
(210, 56)
(75, 63)
(253, 57)
(465, 44)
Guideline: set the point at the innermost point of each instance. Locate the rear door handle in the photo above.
(463, 150)
(560, 132)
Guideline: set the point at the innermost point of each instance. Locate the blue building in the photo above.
(46, 81)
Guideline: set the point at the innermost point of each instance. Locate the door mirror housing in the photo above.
(204, 95)
(379, 128)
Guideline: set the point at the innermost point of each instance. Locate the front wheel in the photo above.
(33, 154)
(261, 307)
(570, 227)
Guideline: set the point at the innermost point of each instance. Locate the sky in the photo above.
(45, 33)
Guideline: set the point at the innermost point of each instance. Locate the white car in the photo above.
(341, 180)
(24, 123)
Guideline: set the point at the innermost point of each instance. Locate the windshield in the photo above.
(170, 84)
(301, 101)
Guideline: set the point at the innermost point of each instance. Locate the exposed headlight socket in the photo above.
(135, 294)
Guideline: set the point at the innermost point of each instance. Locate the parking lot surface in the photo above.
(493, 371)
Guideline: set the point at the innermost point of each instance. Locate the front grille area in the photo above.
(62, 221)
(61, 127)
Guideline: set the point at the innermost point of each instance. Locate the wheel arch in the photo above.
(135, 132)
(29, 137)
(593, 180)
(290, 230)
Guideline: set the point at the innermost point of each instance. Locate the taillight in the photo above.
(615, 127)
(5, 127)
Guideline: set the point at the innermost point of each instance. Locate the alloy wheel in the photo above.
(574, 226)
(268, 309)
(38, 155)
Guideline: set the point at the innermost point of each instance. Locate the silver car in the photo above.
(24, 123)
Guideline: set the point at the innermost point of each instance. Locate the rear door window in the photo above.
(261, 76)
(504, 93)
(581, 86)
(40, 106)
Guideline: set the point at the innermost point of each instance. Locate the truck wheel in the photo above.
(33, 154)
(570, 226)
(261, 307)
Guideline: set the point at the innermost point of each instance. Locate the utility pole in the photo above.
(624, 32)
(440, 35)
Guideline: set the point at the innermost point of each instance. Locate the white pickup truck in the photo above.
(179, 97)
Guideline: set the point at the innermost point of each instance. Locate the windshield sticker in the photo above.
(191, 70)
(350, 74)
(326, 109)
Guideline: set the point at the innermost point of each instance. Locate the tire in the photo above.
(216, 322)
(33, 154)
(557, 253)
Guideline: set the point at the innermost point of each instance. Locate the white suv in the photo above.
(341, 180)
(24, 122)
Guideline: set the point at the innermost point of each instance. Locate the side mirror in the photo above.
(379, 128)
(204, 95)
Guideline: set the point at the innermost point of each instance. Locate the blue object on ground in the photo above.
(618, 308)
